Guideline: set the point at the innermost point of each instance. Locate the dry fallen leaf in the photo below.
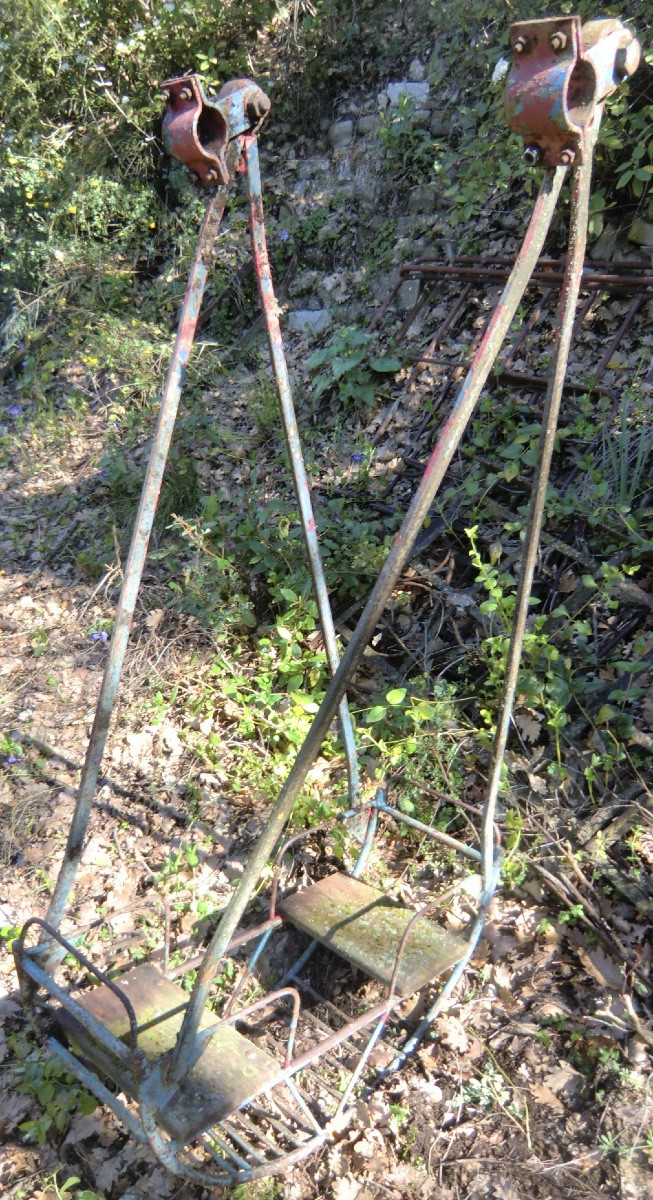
(345, 1188)
(529, 727)
(565, 1080)
(154, 619)
(452, 1034)
(544, 1095)
(600, 967)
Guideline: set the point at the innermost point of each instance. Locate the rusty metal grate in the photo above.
(599, 279)
(443, 329)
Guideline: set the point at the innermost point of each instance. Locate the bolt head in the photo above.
(532, 155)
(165, 95)
(185, 94)
(521, 45)
(211, 176)
(567, 156)
(558, 41)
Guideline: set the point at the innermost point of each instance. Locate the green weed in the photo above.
(42, 1076)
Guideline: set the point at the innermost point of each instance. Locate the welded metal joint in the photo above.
(560, 76)
(197, 130)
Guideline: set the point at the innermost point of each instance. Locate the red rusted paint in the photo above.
(197, 131)
(556, 86)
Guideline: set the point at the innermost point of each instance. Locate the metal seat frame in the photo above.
(559, 80)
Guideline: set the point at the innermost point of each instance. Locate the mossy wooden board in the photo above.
(366, 927)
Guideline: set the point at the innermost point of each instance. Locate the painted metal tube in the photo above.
(360, 1067)
(414, 1040)
(302, 490)
(95, 1029)
(437, 834)
(568, 300)
(441, 457)
(135, 563)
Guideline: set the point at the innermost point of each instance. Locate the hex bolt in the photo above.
(532, 155)
(211, 176)
(185, 94)
(521, 45)
(558, 41)
(567, 156)
(165, 95)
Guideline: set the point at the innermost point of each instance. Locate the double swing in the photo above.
(235, 1097)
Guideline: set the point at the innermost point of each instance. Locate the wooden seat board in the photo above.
(365, 926)
(229, 1072)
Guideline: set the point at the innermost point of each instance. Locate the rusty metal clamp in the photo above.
(560, 76)
(197, 130)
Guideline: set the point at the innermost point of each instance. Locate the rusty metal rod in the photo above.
(450, 436)
(440, 333)
(302, 490)
(135, 562)
(569, 297)
(590, 279)
(558, 264)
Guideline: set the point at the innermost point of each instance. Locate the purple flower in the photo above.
(284, 235)
(12, 758)
(99, 635)
(103, 474)
(15, 410)
(357, 457)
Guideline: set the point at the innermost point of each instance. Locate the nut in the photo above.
(185, 94)
(558, 41)
(521, 44)
(211, 176)
(532, 155)
(567, 156)
(165, 95)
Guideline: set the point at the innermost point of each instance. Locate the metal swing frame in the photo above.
(215, 1106)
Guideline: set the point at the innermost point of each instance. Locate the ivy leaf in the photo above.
(396, 695)
(376, 714)
(317, 359)
(340, 366)
(388, 364)
(512, 471)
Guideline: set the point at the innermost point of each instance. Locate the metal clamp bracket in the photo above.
(197, 130)
(560, 76)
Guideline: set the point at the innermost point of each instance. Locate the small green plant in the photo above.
(68, 1189)
(346, 367)
(407, 146)
(10, 749)
(9, 934)
(514, 867)
(183, 858)
(490, 1088)
(399, 1118)
(42, 1076)
(543, 680)
(571, 916)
